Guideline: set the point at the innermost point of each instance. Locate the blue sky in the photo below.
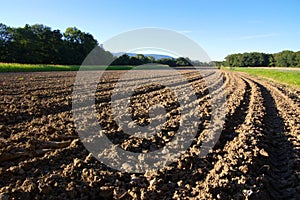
(220, 27)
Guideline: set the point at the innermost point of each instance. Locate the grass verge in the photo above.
(290, 77)
(16, 67)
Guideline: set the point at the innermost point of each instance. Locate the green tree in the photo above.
(5, 39)
(139, 59)
(271, 60)
(181, 61)
(286, 59)
(77, 45)
(167, 61)
(151, 59)
(34, 44)
(122, 60)
(297, 59)
(253, 59)
(39, 44)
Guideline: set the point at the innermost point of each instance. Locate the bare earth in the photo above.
(41, 156)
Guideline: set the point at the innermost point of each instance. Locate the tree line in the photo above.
(141, 59)
(255, 59)
(39, 44)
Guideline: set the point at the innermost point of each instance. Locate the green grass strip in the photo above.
(290, 77)
(16, 67)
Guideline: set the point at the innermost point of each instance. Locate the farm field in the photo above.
(290, 76)
(41, 155)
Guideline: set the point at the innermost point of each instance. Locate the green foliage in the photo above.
(78, 45)
(248, 60)
(183, 62)
(297, 58)
(167, 61)
(286, 59)
(5, 37)
(140, 59)
(255, 59)
(38, 44)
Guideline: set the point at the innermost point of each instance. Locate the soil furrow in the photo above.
(256, 157)
(281, 180)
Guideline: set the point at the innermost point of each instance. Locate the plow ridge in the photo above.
(257, 155)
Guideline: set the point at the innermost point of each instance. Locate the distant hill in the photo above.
(155, 56)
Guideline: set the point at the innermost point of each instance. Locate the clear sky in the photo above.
(220, 27)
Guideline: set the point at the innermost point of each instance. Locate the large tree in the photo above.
(181, 61)
(77, 45)
(285, 59)
(5, 39)
(255, 59)
(39, 44)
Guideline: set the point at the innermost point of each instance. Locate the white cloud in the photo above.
(185, 31)
(249, 37)
(188, 31)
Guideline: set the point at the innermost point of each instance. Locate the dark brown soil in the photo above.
(41, 156)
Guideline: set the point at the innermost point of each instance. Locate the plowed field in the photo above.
(42, 157)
